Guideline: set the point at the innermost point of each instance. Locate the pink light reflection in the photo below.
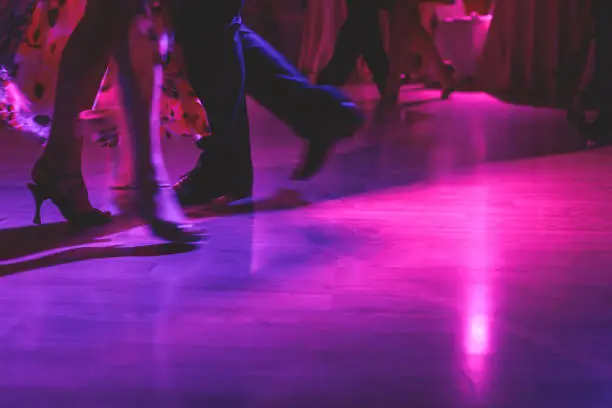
(477, 339)
(477, 284)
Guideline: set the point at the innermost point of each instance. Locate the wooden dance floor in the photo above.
(454, 254)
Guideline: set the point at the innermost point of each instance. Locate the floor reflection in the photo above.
(444, 258)
(478, 293)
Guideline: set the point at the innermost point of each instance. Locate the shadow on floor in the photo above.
(70, 246)
(282, 200)
(532, 100)
(404, 146)
(73, 255)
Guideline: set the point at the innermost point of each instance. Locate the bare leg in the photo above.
(140, 79)
(82, 68)
(57, 174)
(426, 47)
(114, 124)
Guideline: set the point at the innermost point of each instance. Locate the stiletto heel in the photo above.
(39, 199)
(71, 203)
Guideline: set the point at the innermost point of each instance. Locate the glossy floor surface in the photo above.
(454, 254)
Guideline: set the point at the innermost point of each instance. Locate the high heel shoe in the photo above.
(446, 93)
(450, 81)
(392, 89)
(155, 205)
(73, 203)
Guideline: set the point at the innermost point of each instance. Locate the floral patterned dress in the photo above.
(27, 85)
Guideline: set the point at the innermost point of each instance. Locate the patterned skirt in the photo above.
(31, 52)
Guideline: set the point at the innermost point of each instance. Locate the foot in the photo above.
(392, 89)
(196, 189)
(448, 83)
(159, 208)
(346, 123)
(576, 113)
(68, 193)
(599, 132)
(446, 93)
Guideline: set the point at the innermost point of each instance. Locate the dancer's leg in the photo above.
(57, 174)
(399, 39)
(603, 57)
(140, 78)
(427, 48)
(346, 50)
(279, 87)
(84, 61)
(600, 131)
(212, 49)
(370, 39)
(318, 113)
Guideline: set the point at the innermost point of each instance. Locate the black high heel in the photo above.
(67, 202)
(446, 92)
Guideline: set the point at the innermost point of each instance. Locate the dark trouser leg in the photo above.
(599, 132)
(320, 114)
(603, 55)
(372, 45)
(360, 35)
(215, 67)
(278, 86)
(346, 52)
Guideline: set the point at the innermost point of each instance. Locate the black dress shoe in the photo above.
(345, 123)
(196, 189)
